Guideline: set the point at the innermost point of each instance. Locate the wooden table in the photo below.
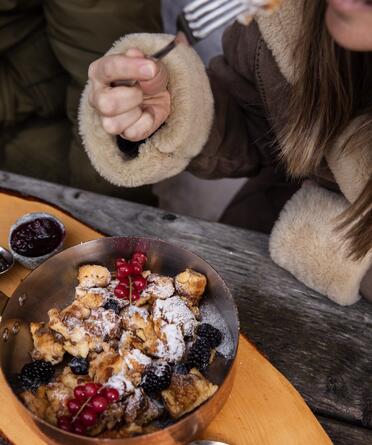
(322, 348)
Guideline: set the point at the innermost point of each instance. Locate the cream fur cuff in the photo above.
(181, 138)
(304, 242)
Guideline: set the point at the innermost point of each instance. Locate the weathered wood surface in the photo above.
(322, 348)
(343, 434)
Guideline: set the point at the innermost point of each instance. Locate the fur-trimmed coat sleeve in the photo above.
(215, 117)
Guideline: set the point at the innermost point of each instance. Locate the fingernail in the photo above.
(130, 133)
(147, 70)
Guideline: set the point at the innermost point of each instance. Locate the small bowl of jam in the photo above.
(35, 237)
(6, 260)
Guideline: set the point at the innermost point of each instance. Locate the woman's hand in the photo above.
(132, 112)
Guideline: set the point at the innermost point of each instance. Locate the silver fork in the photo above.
(199, 19)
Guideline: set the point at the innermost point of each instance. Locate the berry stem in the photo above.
(84, 405)
(130, 289)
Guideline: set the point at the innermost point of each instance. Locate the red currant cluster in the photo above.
(131, 282)
(90, 401)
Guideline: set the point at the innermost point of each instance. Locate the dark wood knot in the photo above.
(169, 217)
(336, 385)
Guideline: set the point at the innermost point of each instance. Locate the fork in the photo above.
(199, 19)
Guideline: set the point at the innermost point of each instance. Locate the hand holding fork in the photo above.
(130, 91)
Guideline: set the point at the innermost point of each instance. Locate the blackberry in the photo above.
(211, 334)
(181, 369)
(36, 373)
(79, 366)
(156, 378)
(113, 305)
(199, 355)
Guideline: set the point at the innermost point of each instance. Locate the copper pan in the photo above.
(52, 285)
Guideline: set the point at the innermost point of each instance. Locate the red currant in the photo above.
(125, 282)
(73, 406)
(124, 271)
(99, 404)
(112, 395)
(120, 262)
(79, 428)
(136, 268)
(88, 417)
(135, 295)
(90, 389)
(139, 283)
(121, 292)
(80, 394)
(140, 258)
(64, 422)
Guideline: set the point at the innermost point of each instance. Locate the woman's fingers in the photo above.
(118, 124)
(113, 67)
(115, 101)
(158, 84)
(142, 129)
(135, 112)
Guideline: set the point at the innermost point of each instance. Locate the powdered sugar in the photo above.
(141, 311)
(159, 286)
(175, 311)
(136, 358)
(102, 323)
(173, 347)
(125, 342)
(210, 314)
(121, 383)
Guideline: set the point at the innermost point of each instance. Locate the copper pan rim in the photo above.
(201, 417)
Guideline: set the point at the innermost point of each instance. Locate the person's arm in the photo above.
(240, 129)
(226, 116)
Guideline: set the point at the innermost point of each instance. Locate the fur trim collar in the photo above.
(280, 30)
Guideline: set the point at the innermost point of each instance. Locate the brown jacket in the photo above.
(227, 124)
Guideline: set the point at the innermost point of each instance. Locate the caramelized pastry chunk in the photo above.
(191, 284)
(187, 392)
(46, 346)
(93, 276)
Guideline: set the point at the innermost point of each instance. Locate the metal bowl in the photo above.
(34, 262)
(52, 285)
(8, 258)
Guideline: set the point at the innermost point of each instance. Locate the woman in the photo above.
(285, 100)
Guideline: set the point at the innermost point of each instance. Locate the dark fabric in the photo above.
(251, 98)
(46, 47)
(243, 141)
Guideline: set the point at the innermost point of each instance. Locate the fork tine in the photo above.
(209, 16)
(215, 24)
(195, 5)
(210, 6)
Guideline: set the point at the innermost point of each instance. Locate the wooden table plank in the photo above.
(322, 348)
(342, 433)
(263, 406)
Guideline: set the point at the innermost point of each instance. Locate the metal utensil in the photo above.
(199, 19)
(6, 260)
(154, 57)
(207, 442)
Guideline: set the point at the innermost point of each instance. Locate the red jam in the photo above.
(36, 238)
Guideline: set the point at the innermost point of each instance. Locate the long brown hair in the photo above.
(333, 87)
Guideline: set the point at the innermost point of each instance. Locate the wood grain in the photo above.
(262, 409)
(323, 349)
(344, 434)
